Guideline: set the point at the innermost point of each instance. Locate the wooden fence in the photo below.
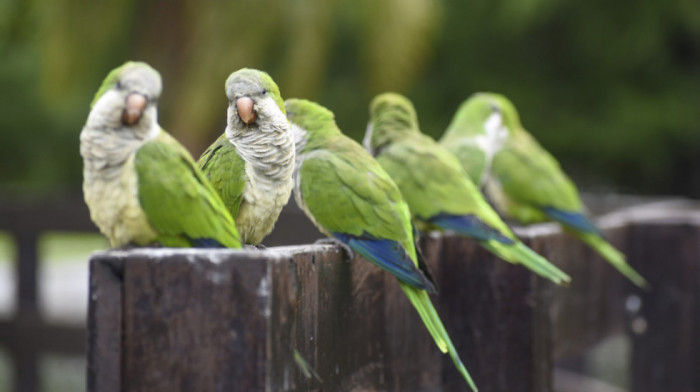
(27, 335)
(222, 320)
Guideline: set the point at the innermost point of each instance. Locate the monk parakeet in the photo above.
(438, 192)
(350, 198)
(251, 164)
(141, 185)
(523, 180)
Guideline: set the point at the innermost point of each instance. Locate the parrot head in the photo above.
(487, 118)
(308, 121)
(128, 97)
(483, 112)
(252, 94)
(391, 115)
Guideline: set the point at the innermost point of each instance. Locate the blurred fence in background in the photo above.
(27, 334)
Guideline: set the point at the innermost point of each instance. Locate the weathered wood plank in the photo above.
(105, 325)
(488, 306)
(193, 322)
(331, 311)
(592, 307)
(665, 322)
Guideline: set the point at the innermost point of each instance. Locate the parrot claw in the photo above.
(349, 254)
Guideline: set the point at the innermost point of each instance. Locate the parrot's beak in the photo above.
(245, 109)
(135, 105)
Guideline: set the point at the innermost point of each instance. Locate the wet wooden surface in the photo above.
(665, 322)
(232, 320)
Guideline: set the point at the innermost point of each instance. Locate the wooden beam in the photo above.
(234, 319)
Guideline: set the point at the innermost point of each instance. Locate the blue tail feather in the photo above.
(205, 243)
(470, 226)
(390, 256)
(572, 219)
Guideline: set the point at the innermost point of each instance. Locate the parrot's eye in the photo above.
(264, 92)
(119, 85)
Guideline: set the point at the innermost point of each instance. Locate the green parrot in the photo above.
(351, 199)
(251, 164)
(438, 192)
(523, 180)
(141, 186)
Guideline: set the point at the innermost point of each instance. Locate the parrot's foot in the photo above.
(253, 247)
(261, 246)
(349, 254)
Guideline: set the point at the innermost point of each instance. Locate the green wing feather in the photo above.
(531, 179)
(472, 159)
(356, 204)
(433, 182)
(351, 203)
(178, 201)
(225, 170)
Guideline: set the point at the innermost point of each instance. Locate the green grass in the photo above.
(62, 247)
(56, 247)
(7, 248)
(5, 372)
(59, 373)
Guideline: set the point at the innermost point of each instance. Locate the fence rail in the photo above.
(180, 320)
(27, 335)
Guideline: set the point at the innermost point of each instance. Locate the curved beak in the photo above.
(245, 109)
(135, 105)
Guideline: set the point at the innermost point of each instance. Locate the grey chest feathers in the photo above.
(269, 163)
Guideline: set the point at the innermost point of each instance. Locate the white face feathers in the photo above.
(112, 133)
(494, 136)
(130, 104)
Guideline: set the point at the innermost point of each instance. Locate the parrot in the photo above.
(351, 199)
(523, 180)
(250, 165)
(438, 192)
(141, 186)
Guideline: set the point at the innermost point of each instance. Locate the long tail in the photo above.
(519, 253)
(421, 301)
(613, 256)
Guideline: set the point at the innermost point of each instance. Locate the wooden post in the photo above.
(665, 322)
(231, 320)
(174, 320)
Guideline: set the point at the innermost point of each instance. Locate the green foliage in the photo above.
(610, 88)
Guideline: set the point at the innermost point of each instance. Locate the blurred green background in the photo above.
(611, 88)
